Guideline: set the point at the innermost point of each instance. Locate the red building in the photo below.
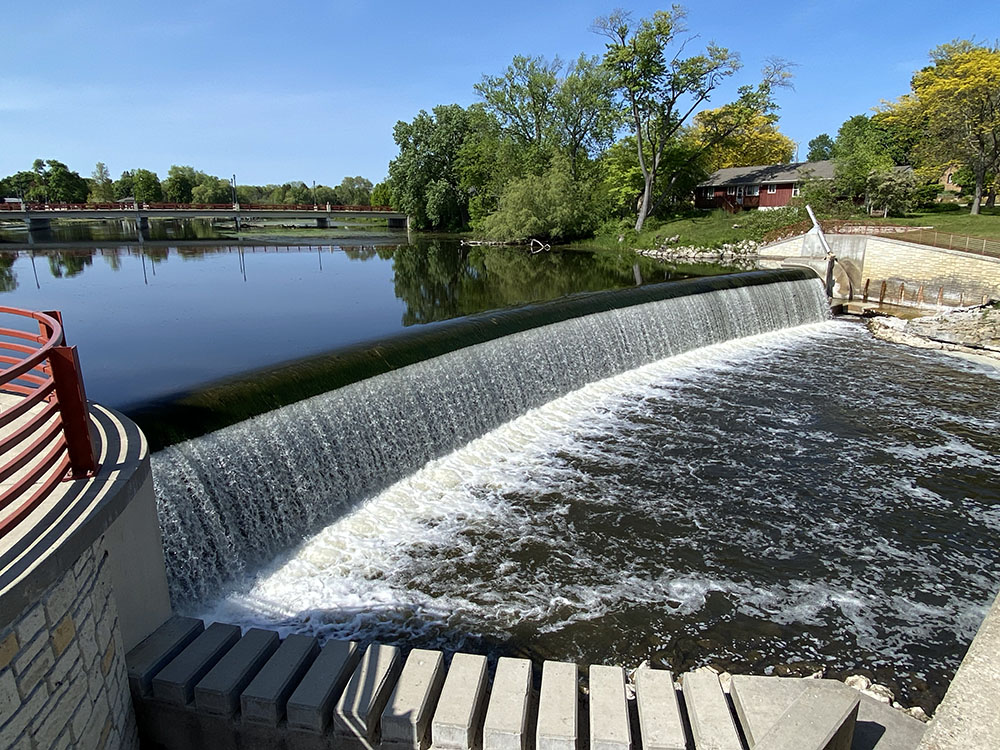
(772, 186)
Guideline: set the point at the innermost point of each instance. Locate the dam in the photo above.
(710, 473)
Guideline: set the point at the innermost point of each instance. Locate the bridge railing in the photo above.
(160, 206)
(44, 423)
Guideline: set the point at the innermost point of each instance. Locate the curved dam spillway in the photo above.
(237, 498)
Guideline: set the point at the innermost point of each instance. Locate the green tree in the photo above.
(212, 190)
(662, 89)
(354, 191)
(523, 98)
(426, 182)
(956, 101)
(820, 148)
(550, 206)
(124, 186)
(101, 187)
(861, 148)
(381, 194)
(146, 186)
(893, 192)
(180, 183)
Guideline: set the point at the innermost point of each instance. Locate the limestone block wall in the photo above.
(916, 274)
(63, 679)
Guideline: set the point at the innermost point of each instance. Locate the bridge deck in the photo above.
(208, 687)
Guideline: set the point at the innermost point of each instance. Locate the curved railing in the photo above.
(147, 206)
(44, 424)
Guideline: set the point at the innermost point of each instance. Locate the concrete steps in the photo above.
(197, 687)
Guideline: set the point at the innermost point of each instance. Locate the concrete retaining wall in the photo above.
(62, 665)
(81, 581)
(894, 271)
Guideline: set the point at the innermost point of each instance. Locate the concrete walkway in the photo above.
(198, 687)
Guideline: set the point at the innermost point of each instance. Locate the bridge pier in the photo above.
(398, 223)
(322, 222)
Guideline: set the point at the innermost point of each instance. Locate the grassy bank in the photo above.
(952, 219)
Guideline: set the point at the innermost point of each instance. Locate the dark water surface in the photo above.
(159, 318)
(810, 499)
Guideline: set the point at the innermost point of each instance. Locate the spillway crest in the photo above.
(237, 498)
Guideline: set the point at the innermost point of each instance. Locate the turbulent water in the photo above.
(810, 498)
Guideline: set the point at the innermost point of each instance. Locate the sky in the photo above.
(289, 90)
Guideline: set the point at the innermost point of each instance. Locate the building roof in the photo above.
(795, 172)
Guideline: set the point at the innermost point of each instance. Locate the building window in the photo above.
(795, 190)
(731, 190)
(739, 191)
(772, 189)
(753, 189)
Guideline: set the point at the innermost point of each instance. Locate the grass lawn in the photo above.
(698, 230)
(953, 219)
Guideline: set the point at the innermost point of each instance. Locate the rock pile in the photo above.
(744, 251)
(972, 330)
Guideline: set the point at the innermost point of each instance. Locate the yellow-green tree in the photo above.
(957, 100)
(741, 142)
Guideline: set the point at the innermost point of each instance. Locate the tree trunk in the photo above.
(991, 198)
(647, 192)
(977, 196)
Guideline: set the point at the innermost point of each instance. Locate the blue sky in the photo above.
(284, 90)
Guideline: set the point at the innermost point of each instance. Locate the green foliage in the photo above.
(123, 187)
(661, 89)
(381, 194)
(860, 149)
(146, 186)
(352, 191)
(551, 206)
(48, 180)
(425, 177)
(101, 188)
(820, 148)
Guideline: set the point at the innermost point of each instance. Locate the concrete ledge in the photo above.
(969, 716)
(458, 719)
(357, 713)
(407, 716)
(558, 708)
(506, 726)
(265, 698)
(310, 706)
(147, 659)
(175, 682)
(708, 708)
(609, 722)
(660, 721)
(219, 692)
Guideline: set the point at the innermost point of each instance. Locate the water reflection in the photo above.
(164, 316)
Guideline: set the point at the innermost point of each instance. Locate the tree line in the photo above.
(556, 149)
(950, 119)
(50, 180)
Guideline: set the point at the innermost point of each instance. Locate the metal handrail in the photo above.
(45, 432)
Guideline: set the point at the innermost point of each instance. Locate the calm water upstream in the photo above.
(806, 499)
(159, 319)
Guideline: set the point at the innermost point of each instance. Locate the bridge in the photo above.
(38, 216)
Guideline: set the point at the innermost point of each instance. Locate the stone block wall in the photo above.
(920, 275)
(63, 679)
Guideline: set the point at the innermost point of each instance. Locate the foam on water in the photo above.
(740, 504)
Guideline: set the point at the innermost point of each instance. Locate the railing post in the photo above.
(73, 408)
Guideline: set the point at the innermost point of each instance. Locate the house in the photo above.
(771, 186)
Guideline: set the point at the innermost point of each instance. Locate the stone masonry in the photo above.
(63, 679)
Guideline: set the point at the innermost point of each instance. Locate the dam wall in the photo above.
(243, 496)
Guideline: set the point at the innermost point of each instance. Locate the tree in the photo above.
(212, 190)
(101, 188)
(426, 183)
(381, 194)
(586, 115)
(354, 191)
(820, 148)
(180, 182)
(551, 206)
(892, 191)
(861, 148)
(124, 186)
(746, 143)
(957, 100)
(662, 90)
(522, 98)
(146, 186)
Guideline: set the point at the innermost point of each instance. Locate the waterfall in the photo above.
(237, 498)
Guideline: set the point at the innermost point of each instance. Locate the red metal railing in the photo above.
(131, 206)
(44, 426)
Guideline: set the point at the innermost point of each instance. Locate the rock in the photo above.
(858, 682)
(880, 693)
(917, 713)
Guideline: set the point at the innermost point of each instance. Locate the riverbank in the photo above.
(972, 332)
